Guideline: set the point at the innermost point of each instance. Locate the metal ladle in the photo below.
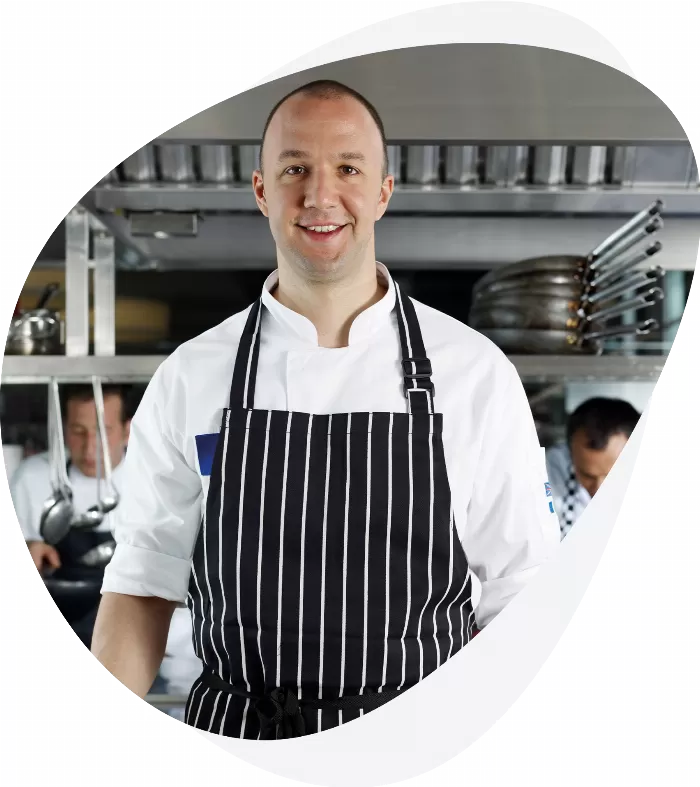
(107, 502)
(57, 512)
(95, 515)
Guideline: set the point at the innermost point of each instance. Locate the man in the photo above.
(31, 485)
(597, 431)
(342, 483)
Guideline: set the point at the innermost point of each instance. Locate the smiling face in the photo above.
(323, 186)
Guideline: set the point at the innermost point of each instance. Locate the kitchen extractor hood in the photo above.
(500, 152)
(471, 93)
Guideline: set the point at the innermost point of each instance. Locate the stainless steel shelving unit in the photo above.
(140, 368)
(428, 199)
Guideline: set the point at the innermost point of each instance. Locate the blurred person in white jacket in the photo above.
(30, 486)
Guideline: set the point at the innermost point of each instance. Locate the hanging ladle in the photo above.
(57, 512)
(95, 514)
(110, 500)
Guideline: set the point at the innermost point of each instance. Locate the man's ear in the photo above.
(259, 191)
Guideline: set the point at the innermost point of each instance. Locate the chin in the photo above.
(323, 269)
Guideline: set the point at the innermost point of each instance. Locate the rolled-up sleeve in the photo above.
(511, 530)
(159, 514)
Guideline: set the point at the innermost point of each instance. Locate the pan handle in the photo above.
(648, 298)
(636, 221)
(618, 269)
(627, 284)
(641, 329)
(49, 291)
(612, 254)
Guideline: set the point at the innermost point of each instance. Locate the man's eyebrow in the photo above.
(351, 156)
(293, 153)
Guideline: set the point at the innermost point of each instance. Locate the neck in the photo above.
(330, 306)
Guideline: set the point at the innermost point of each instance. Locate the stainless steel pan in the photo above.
(533, 342)
(597, 260)
(528, 311)
(573, 291)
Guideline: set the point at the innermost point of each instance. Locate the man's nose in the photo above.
(321, 191)
(91, 445)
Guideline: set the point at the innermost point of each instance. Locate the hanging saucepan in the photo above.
(633, 232)
(533, 342)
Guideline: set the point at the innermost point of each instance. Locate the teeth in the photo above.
(325, 228)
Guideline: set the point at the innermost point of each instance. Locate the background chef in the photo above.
(290, 464)
(597, 431)
(30, 486)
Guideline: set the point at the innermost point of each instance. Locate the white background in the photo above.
(616, 700)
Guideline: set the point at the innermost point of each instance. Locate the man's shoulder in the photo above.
(207, 352)
(466, 346)
(35, 467)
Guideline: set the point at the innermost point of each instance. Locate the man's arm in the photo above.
(28, 488)
(155, 527)
(510, 530)
(129, 637)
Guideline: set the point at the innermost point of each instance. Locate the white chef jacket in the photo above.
(30, 487)
(559, 471)
(494, 462)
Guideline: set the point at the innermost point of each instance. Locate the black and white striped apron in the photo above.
(327, 575)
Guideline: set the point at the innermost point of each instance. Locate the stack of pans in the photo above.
(562, 304)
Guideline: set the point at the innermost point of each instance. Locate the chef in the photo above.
(31, 486)
(341, 483)
(597, 431)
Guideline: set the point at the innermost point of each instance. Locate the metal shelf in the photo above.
(17, 369)
(592, 368)
(411, 199)
(140, 368)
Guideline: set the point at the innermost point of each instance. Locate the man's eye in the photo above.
(348, 170)
(295, 170)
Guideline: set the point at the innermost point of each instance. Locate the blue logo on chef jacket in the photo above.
(548, 493)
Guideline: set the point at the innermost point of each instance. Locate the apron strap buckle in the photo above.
(417, 375)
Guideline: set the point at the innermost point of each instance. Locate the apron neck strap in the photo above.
(417, 370)
(246, 369)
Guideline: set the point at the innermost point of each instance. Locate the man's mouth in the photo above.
(322, 232)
